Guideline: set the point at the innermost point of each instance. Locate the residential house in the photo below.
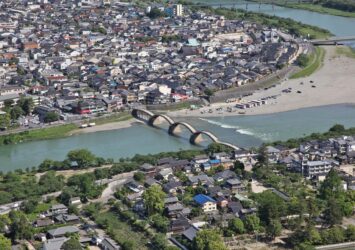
(207, 203)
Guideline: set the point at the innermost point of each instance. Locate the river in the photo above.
(244, 131)
(339, 26)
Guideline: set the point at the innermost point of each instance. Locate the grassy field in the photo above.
(345, 51)
(121, 231)
(124, 116)
(315, 62)
(57, 131)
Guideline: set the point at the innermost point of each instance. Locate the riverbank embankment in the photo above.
(332, 84)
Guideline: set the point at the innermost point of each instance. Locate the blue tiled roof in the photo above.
(202, 199)
(215, 161)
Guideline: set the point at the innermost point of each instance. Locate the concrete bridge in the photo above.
(175, 128)
(246, 3)
(332, 40)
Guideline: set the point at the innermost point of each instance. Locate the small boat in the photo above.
(242, 112)
(92, 124)
(83, 125)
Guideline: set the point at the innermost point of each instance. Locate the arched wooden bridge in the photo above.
(154, 120)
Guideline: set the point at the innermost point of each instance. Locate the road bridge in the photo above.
(332, 40)
(196, 136)
(246, 3)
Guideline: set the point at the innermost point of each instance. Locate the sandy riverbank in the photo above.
(106, 127)
(334, 84)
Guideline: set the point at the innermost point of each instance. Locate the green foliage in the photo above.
(156, 13)
(51, 117)
(313, 63)
(338, 128)
(83, 157)
(252, 223)
(154, 199)
(26, 104)
(5, 243)
(16, 112)
(333, 214)
(160, 222)
(20, 227)
(29, 206)
(209, 92)
(84, 186)
(160, 242)
(237, 226)
(208, 239)
(139, 176)
(72, 244)
(217, 148)
(274, 228)
(303, 60)
(5, 120)
(270, 205)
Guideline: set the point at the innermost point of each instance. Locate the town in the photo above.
(69, 62)
(276, 197)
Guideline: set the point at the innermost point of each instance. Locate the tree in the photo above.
(26, 104)
(208, 239)
(16, 112)
(313, 236)
(274, 228)
(161, 223)
(154, 199)
(252, 223)
(8, 104)
(209, 92)
(51, 117)
(5, 120)
(20, 227)
(72, 244)
(303, 60)
(335, 235)
(139, 176)
(331, 186)
(333, 213)
(29, 206)
(83, 157)
(5, 243)
(156, 13)
(129, 245)
(350, 233)
(159, 241)
(237, 226)
(271, 206)
(337, 128)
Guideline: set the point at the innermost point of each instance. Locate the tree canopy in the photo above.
(154, 199)
(208, 239)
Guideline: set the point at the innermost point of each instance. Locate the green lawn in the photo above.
(346, 51)
(57, 131)
(315, 62)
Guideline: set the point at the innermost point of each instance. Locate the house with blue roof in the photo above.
(207, 203)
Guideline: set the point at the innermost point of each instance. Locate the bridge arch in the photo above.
(173, 129)
(152, 121)
(196, 137)
(228, 145)
(142, 114)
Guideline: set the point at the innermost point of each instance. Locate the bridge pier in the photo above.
(196, 138)
(176, 127)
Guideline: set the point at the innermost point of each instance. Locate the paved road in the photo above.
(6, 208)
